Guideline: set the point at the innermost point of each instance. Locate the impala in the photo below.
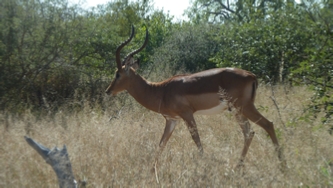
(180, 97)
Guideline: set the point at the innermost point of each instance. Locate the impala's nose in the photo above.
(108, 91)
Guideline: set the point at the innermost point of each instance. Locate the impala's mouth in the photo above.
(112, 93)
(108, 92)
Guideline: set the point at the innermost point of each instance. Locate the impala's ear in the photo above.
(136, 64)
(130, 62)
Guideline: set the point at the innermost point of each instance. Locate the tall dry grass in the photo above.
(120, 152)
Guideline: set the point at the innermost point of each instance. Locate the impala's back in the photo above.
(210, 91)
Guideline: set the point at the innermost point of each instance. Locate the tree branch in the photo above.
(224, 6)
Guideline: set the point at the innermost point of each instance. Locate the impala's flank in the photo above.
(180, 97)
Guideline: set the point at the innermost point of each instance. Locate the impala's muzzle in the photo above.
(108, 91)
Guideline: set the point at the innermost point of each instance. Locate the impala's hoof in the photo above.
(152, 170)
(283, 166)
(240, 165)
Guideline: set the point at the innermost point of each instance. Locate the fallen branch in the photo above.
(59, 161)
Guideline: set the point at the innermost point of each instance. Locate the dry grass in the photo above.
(120, 152)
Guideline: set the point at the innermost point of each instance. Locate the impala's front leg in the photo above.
(169, 127)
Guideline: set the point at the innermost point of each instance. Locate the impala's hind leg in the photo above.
(248, 135)
(192, 127)
(252, 114)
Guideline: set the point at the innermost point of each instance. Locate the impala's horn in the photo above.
(118, 61)
(138, 50)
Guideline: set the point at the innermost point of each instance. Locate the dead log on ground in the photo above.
(59, 161)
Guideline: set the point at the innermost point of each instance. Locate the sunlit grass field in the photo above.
(116, 147)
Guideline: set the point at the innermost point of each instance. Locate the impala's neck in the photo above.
(146, 93)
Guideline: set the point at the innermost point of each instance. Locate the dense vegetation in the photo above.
(53, 53)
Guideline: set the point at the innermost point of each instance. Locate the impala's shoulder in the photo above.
(173, 79)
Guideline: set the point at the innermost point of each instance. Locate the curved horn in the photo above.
(138, 50)
(118, 61)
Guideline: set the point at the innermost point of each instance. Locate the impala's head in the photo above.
(126, 68)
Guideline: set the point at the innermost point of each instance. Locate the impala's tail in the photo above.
(254, 89)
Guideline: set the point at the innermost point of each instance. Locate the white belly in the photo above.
(215, 110)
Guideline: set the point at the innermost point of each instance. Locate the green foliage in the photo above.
(41, 39)
(51, 52)
(160, 26)
(221, 11)
(316, 69)
(268, 47)
(188, 48)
